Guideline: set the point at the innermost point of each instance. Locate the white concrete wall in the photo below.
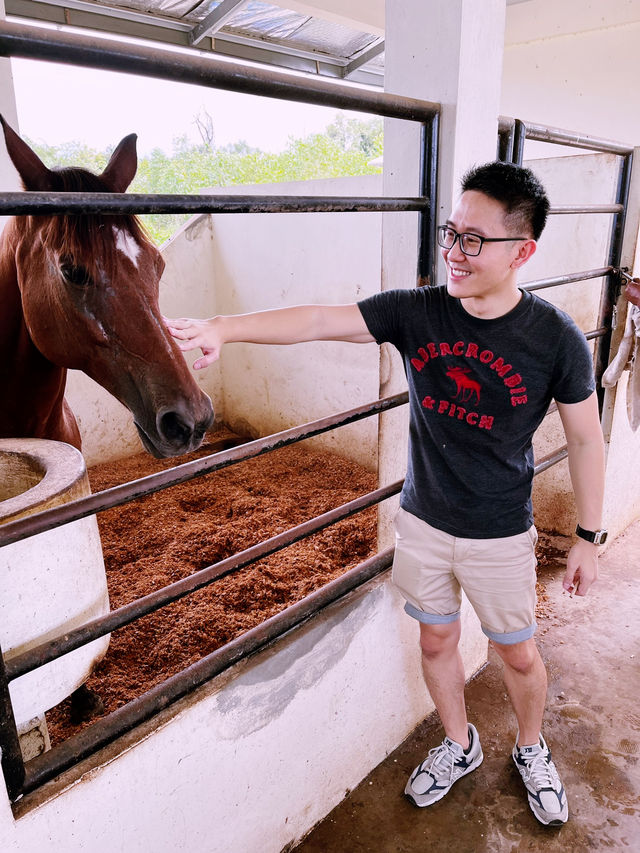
(277, 260)
(574, 65)
(253, 759)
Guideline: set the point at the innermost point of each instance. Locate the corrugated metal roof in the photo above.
(244, 29)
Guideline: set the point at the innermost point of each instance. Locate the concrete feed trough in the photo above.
(52, 582)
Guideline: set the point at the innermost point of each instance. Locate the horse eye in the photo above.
(75, 274)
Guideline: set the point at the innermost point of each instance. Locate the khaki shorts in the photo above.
(498, 576)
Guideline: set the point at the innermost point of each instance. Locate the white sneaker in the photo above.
(444, 765)
(545, 791)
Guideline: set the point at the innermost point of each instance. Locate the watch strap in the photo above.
(597, 537)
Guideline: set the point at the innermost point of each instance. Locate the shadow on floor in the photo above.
(591, 648)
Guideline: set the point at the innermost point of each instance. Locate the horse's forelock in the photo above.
(90, 239)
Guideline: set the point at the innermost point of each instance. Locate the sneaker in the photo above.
(444, 765)
(546, 793)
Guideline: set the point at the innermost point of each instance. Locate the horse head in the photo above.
(89, 294)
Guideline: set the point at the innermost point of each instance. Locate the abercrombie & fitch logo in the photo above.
(467, 388)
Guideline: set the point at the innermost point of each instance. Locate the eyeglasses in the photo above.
(470, 244)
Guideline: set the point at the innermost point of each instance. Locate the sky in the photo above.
(61, 103)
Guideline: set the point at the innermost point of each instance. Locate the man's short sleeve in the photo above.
(384, 313)
(573, 378)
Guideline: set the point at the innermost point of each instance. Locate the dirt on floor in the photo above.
(164, 537)
(156, 541)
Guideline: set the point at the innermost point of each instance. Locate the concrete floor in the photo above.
(591, 648)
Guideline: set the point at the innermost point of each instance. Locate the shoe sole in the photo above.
(412, 797)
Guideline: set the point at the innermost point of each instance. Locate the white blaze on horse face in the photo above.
(127, 245)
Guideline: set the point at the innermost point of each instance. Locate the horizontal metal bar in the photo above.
(13, 531)
(33, 203)
(586, 208)
(558, 136)
(596, 333)
(552, 459)
(541, 283)
(49, 764)
(46, 652)
(88, 51)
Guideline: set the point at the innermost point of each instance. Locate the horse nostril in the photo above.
(173, 428)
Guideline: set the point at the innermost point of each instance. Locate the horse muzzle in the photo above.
(177, 430)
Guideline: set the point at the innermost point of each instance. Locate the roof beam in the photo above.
(364, 56)
(215, 20)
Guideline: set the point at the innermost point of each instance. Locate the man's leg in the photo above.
(444, 676)
(460, 752)
(526, 679)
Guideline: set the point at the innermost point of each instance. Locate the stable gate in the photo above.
(34, 43)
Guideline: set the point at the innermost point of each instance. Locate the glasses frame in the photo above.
(442, 228)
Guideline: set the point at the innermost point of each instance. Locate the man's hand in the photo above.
(582, 568)
(197, 334)
(632, 291)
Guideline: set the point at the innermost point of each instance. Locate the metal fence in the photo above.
(36, 43)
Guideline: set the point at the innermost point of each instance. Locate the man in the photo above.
(483, 361)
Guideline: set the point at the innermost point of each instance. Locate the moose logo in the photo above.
(465, 386)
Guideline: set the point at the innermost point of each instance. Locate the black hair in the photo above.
(517, 189)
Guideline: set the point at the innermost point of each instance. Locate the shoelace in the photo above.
(442, 758)
(540, 771)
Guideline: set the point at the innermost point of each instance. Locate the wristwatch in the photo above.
(598, 537)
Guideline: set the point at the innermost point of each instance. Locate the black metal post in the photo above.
(611, 291)
(519, 137)
(12, 763)
(427, 254)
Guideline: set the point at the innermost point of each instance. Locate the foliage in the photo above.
(345, 148)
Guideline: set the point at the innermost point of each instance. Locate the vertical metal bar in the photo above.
(505, 143)
(12, 762)
(519, 136)
(427, 257)
(611, 286)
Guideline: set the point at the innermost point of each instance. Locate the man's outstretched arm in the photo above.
(585, 446)
(277, 326)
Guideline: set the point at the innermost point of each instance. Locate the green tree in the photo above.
(345, 148)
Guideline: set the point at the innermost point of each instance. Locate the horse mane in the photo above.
(89, 239)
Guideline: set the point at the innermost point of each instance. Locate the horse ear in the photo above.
(33, 172)
(121, 168)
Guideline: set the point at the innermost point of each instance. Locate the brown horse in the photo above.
(81, 291)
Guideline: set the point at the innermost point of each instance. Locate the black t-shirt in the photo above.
(478, 390)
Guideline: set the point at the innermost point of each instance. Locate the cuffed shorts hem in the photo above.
(512, 637)
(430, 618)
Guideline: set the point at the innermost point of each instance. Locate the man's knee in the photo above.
(521, 657)
(436, 640)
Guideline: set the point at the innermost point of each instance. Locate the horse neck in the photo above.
(31, 387)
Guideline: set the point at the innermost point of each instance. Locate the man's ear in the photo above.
(526, 249)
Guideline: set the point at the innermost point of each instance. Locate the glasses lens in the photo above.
(446, 237)
(470, 244)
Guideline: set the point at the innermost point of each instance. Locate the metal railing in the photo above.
(45, 44)
(512, 135)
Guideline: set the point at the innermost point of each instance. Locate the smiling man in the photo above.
(483, 361)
